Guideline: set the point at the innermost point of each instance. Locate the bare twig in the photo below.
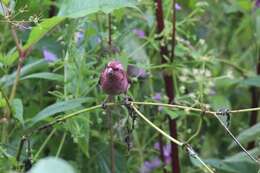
(177, 142)
(156, 128)
(234, 138)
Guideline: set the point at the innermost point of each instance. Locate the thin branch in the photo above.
(66, 117)
(156, 128)
(197, 131)
(110, 32)
(186, 108)
(17, 76)
(44, 144)
(179, 143)
(234, 138)
(16, 40)
(61, 144)
(195, 155)
(173, 28)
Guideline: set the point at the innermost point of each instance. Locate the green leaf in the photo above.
(248, 135)
(52, 165)
(79, 129)
(242, 156)
(219, 101)
(8, 80)
(81, 8)
(44, 75)
(17, 109)
(41, 29)
(2, 101)
(8, 59)
(251, 81)
(58, 108)
(232, 166)
(173, 113)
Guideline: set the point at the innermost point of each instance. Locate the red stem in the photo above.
(53, 9)
(168, 80)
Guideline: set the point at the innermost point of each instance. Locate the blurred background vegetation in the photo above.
(62, 46)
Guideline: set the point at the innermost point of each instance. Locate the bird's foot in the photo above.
(127, 100)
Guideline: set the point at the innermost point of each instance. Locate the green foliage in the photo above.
(248, 135)
(81, 8)
(58, 108)
(17, 109)
(216, 59)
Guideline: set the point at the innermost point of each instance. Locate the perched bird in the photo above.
(113, 79)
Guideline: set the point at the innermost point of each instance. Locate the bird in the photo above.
(113, 79)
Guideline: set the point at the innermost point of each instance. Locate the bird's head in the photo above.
(114, 68)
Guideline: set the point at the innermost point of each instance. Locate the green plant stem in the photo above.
(17, 76)
(190, 150)
(197, 131)
(112, 148)
(71, 115)
(187, 108)
(64, 118)
(179, 143)
(61, 144)
(236, 141)
(44, 144)
(157, 128)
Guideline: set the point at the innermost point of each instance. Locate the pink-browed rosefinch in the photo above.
(113, 79)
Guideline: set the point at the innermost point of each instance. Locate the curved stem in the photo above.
(236, 141)
(61, 144)
(44, 144)
(156, 128)
(179, 143)
(197, 131)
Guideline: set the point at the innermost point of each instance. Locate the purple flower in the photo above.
(79, 36)
(139, 33)
(177, 7)
(148, 166)
(157, 96)
(257, 3)
(49, 56)
(166, 149)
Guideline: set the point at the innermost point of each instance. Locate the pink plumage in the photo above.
(113, 79)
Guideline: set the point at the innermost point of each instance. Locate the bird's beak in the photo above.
(110, 71)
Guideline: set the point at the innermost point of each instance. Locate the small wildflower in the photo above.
(157, 96)
(78, 37)
(177, 7)
(49, 56)
(257, 3)
(139, 33)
